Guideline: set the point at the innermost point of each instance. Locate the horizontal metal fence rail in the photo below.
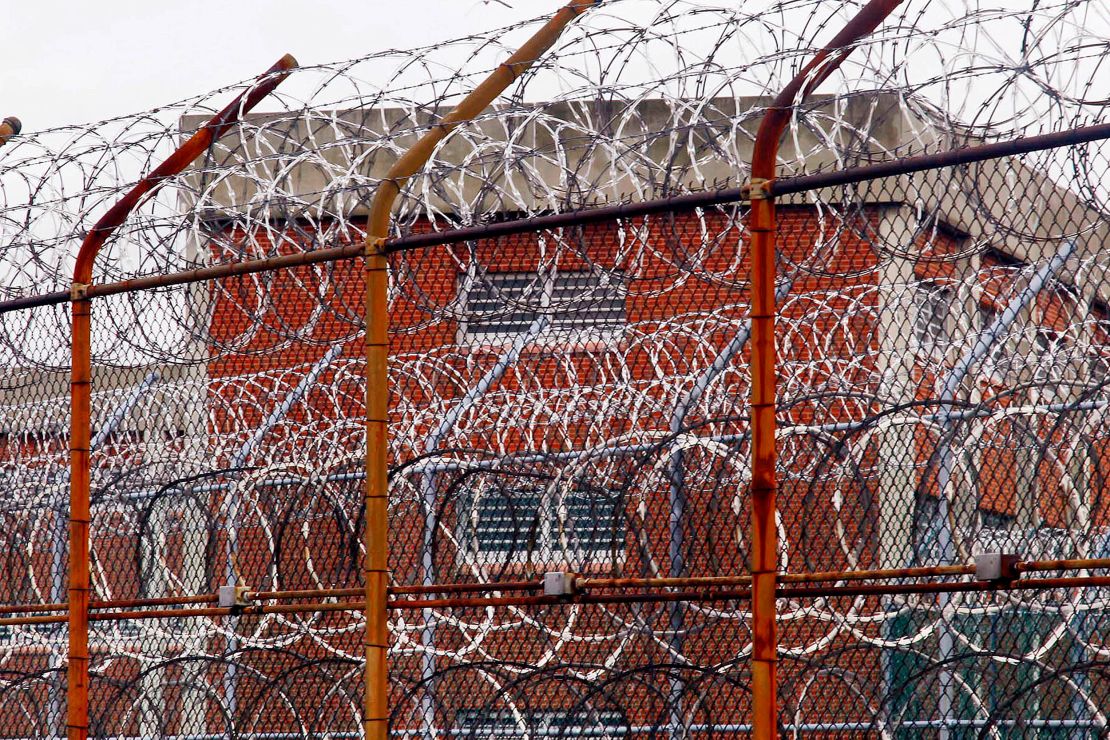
(782, 186)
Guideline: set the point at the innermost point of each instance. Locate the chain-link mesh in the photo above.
(570, 524)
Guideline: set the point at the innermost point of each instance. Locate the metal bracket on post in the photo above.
(997, 567)
(78, 292)
(758, 189)
(376, 709)
(560, 583)
(233, 597)
(374, 247)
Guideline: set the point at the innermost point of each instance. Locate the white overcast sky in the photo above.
(77, 61)
(80, 61)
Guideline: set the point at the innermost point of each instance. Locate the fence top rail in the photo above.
(587, 216)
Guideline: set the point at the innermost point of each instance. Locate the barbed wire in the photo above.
(576, 399)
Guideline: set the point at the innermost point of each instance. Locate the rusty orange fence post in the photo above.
(376, 700)
(77, 669)
(761, 223)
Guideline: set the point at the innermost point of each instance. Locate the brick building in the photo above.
(577, 401)
(606, 359)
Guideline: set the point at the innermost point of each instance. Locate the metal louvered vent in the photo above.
(570, 306)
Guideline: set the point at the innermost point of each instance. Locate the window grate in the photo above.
(503, 523)
(502, 305)
(930, 329)
(525, 725)
(1000, 355)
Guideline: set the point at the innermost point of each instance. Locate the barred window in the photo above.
(25, 635)
(525, 725)
(933, 305)
(1000, 355)
(996, 520)
(532, 524)
(575, 304)
(995, 531)
(1099, 369)
(1051, 359)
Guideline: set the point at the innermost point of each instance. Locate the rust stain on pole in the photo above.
(376, 700)
(764, 557)
(77, 670)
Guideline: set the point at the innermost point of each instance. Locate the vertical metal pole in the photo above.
(77, 672)
(677, 475)
(764, 557)
(431, 444)
(676, 548)
(58, 586)
(946, 544)
(376, 699)
(376, 719)
(762, 225)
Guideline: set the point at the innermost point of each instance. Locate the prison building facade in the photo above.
(576, 400)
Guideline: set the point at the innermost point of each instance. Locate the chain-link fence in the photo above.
(572, 340)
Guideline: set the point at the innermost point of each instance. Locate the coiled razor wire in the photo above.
(236, 406)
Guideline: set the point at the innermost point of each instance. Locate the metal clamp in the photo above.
(997, 567)
(78, 291)
(758, 189)
(233, 597)
(374, 247)
(559, 583)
